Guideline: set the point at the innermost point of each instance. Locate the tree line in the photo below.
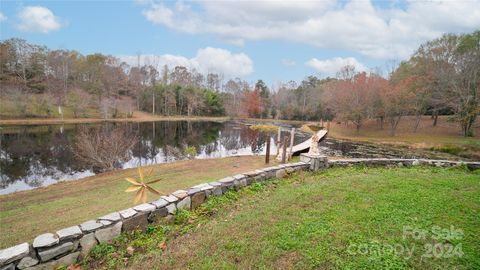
(441, 77)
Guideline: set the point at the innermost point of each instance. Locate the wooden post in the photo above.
(292, 135)
(278, 140)
(267, 154)
(284, 156)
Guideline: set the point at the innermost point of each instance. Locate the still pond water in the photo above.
(35, 156)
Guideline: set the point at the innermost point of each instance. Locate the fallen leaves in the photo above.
(163, 245)
(74, 267)
(130, 251)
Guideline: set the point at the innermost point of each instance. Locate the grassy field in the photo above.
(445, 132)
(26, 214)
(138, 116)
(445, 137)
(343, 218)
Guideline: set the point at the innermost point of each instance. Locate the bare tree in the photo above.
(104, 149)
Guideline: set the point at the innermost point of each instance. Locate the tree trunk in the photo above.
(394, 124)
(381, 119)
(165, 103)
(435, 117)
(467, 126)
(153, 102)
(417, 122)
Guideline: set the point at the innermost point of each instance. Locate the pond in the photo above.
(36, 156)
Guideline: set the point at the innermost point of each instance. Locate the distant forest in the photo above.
(441, 77)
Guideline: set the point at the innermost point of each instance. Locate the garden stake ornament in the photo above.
(141, 187)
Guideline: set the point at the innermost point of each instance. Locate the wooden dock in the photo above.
(305, 145)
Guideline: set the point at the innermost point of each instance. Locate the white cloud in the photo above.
(288, 62)
(206, 60)
(2, 17)
(38, 19)
(330, 67)
(383, 33)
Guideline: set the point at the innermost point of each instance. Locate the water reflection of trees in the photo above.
(32, 154)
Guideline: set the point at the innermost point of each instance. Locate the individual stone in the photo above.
(171, 208)
(69, 233)
(226, 180)
(14, 253)
(27, 262)
(114, 217)
(227, 183)
(87, 242)
(90, 226)
(138, 222)
(127, 213)
(170, 198)
(51, 253)
(280, 173)
(193, 191)
(67, 259)
(8, 267)
(217, 191)
(43, 266)
(317, 162)
(45, 240)
(473, 165)
(197, 199)
(259, 178)
(289, 170)
(243, 182)
(184, 204)
(160, 203)
(105, 222)
(203, 187)
(239, 177)
(145, 207)
(180, 194)
(215, 184)
(107, 234)
(251, 173)
(157, 215)
(236, 185)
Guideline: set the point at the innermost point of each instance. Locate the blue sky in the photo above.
(272, 40)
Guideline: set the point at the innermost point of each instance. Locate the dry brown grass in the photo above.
(426, 136)
(27, 214)
(138, 116)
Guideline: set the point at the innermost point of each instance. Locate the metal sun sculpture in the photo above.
(141, 187)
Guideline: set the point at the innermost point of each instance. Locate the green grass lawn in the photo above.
(343, 218)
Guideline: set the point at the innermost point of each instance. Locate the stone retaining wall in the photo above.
(403, 162)
(67, 246)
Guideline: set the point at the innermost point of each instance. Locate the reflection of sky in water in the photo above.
(38, 156)
(41, 179)
(202, 153)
